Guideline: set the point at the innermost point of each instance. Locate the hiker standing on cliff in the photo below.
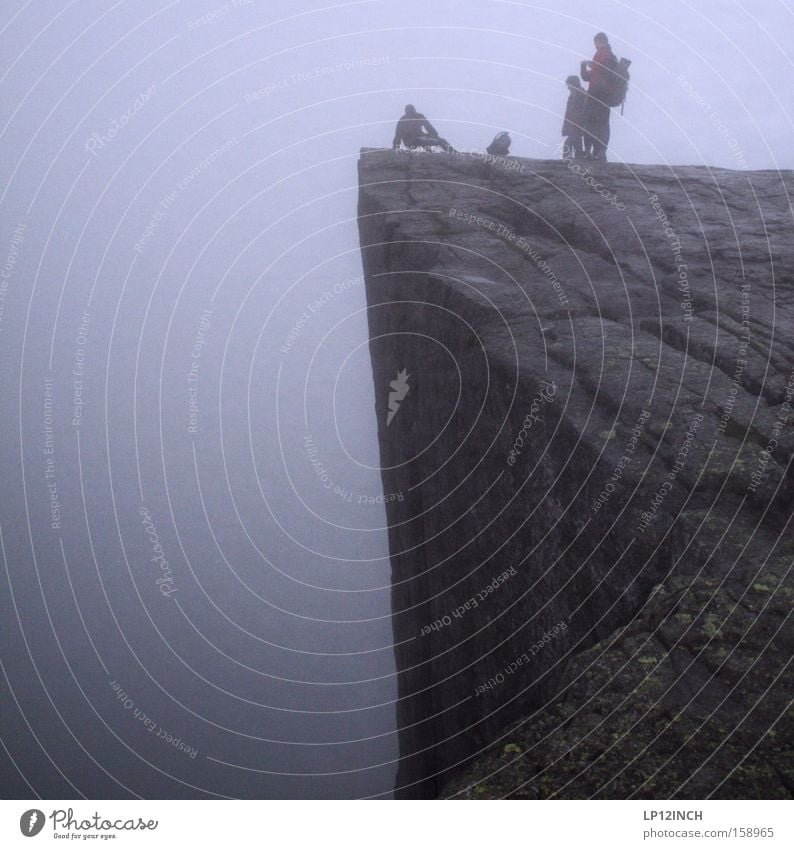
(598, 73)
(574, 122)
(414, 131)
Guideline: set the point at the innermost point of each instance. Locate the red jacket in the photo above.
(599, 75)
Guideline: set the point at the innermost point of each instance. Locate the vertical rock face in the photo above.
(584, 396)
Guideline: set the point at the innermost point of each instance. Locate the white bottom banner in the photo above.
(392, 825)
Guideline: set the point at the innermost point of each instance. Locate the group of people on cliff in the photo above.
(585, 128)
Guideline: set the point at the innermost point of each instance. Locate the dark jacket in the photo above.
(573, 124)
(409, 130)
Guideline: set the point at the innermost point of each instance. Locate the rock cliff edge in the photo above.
(584, 388)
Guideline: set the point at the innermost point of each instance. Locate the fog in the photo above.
(196, 590)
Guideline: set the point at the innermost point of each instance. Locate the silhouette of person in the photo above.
(597, 73)
(415, 131)
(573, 126)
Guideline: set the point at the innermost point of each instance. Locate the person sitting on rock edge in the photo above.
(573, 124)
(415, 131)
(598, 74)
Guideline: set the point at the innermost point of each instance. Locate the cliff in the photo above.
(589, 380)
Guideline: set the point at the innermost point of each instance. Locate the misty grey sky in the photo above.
(188, 169)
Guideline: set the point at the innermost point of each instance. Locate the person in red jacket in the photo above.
(598, 73)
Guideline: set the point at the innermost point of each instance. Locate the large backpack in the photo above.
(618, 86)
(500, 146)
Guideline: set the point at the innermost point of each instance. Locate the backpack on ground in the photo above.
(618, 83)
(500, 146)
